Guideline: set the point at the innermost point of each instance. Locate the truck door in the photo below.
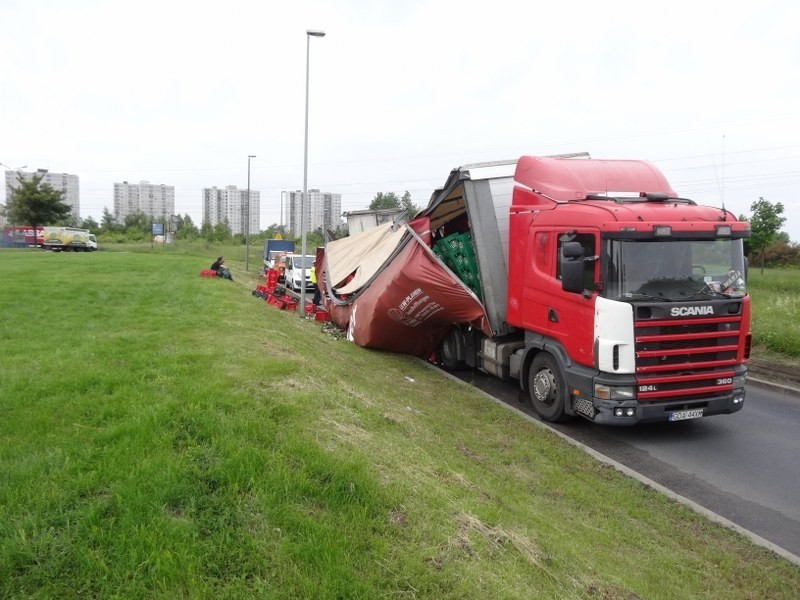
(571, 314)
(539, 283)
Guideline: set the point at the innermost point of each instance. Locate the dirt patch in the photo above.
(774, 368)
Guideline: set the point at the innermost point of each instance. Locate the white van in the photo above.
(294, 267)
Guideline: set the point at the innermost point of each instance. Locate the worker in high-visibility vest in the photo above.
(316, 299)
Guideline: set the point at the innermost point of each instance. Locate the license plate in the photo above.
(683, 415)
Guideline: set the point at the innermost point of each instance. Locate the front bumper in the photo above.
(654, 412)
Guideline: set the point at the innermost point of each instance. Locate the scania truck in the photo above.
(591, 282)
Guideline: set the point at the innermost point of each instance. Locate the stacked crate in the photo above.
(456, 252)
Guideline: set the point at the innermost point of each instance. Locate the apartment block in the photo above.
(153, 200)
(230, 205)
(323, 210)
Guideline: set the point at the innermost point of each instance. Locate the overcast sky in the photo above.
(180, 92)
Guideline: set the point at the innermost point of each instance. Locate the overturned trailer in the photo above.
(393, 292)
(589, 281)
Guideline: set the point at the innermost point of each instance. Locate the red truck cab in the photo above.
(638, 295)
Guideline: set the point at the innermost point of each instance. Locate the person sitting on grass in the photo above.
(219, 266)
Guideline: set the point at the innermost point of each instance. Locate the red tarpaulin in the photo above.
(409, 304)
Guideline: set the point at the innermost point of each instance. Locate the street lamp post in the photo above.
(247, 219)
(304, 200)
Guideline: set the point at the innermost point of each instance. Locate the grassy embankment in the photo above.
(164, 435)
(775, 299)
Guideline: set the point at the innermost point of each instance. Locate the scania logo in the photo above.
(691, 311)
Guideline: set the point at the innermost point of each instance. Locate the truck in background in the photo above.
(22, 237)
(67, 239)
(274, 247)
(590, 282)
(275, 251)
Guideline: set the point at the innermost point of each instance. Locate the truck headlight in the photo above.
(739, 381)
(612, 392)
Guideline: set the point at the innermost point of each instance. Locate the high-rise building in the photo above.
(153, 200)
(323, 210)
(62, 182)
(229, 205)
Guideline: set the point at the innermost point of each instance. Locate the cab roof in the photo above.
(564, 179)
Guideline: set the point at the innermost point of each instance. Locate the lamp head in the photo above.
(315, 33)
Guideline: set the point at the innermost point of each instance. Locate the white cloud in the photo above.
(181, 92)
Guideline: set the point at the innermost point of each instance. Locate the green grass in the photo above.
(775, 297)
(167, 436)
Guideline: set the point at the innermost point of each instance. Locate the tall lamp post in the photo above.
(13, 224)
(304, 200)
(247, 219)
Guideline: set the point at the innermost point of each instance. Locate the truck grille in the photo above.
(684, 357)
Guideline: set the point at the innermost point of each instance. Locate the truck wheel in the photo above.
(451, 350)
(547, 389)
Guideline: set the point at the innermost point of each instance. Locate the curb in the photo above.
(710, 515)
(775, 387)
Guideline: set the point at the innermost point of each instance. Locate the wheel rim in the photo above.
(544, 387)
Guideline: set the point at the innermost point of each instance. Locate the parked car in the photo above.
(294, 269)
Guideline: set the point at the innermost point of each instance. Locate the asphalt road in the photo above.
(744, 467)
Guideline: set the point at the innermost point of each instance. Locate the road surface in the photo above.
(744, 467)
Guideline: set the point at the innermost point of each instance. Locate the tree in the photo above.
(782, 254)
(222, 232)
(410, 207)
(90, 224)
(185, 229)
(313, 239)
(107, 222)
(34, 204)
(383, 201)
(207, 231)
(138, 223)
(765, 223)
(391, 200)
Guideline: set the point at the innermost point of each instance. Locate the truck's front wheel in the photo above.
(451, 350)
(547, 389)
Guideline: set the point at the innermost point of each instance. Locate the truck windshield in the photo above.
(309, 261)
(674, 270)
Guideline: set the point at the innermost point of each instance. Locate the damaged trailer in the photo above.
(621, 307)
(393, 292)
(405, 287)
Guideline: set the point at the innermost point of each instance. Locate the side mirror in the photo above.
(572, 276)
(572, 267)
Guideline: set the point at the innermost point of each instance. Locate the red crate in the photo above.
(291, 305)
(322, 316)
(272, 278)
(208, 273)
(310, 308)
